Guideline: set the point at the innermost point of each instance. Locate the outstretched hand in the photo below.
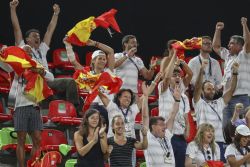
(243, 20)
(102, 130)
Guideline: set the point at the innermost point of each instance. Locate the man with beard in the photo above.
(208, 110)
(128, 66)
(212, 72)
(170, 80)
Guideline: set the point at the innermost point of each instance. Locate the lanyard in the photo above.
(125, 114)
(164, 146)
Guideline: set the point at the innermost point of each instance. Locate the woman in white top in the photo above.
(238, 153)
(203, 148)
(102, 60)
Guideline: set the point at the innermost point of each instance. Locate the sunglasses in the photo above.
(208, 155)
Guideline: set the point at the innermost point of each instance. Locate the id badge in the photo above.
(167, 159)
(128, 129)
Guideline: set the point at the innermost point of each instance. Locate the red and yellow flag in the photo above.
(17, 58)
(81, 32)
(36, 88)
(187, 44)
(94, 82)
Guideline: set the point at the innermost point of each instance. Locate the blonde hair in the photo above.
(199, 138)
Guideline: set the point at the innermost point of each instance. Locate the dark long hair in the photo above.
(84, 127)
(237, 144)
(119, 94)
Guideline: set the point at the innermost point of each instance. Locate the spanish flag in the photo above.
(187, 44)
(81, 32)
(111, 83)
(36, 88)
(17, 58)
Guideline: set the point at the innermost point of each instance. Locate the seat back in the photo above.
(61, 108)
(60, 58)
(155, 112)
(5, 79)
(52, 137)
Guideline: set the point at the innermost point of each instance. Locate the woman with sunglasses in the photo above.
(203, 148)
(238, 153)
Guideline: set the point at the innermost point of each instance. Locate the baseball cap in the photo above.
(97, 53)
(243, 130)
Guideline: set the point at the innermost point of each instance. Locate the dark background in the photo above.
(153, 22)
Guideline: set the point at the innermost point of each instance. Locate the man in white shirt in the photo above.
(213, 71)
(128, 66)
(27, 117)
(208, 110)
(40, 49)
(238, 51)
(160, 151)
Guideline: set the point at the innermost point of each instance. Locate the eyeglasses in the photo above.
(208, 155)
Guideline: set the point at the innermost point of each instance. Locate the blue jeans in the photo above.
(222, 151)
(179, 145)
(229, 109)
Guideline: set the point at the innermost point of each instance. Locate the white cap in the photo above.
(97, 53)
(243, 130)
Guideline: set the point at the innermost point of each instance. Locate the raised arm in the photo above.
(229, 93)
(145, 110)
(198, 83)
(246, 34)
(103, 139)
(105, 100)
(125, 56)
(217, 37)
(105, 48)
(71, 55)
(52, 25)
(238, 107)
(15, 23)
(175, 109)
(168, 72)
(142, 145)
(189, 74)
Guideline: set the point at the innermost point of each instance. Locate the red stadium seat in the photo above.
(155, 112)
(63, 112)
(5, 81)
(60, 59)
(51, 139)
(4, 117)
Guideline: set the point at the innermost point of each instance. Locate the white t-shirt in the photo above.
(196, 154)
(114, 110)
(128, 72)
(232, 151)
(154, 154)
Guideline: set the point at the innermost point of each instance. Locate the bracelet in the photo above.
(235, 73)
(56, 14)
(96, 44)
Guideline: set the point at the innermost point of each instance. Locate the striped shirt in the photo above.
(154, 154)
(121, 154)
(205, 114)
(128, 72)
(243, 58)
(166, 102)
